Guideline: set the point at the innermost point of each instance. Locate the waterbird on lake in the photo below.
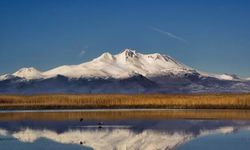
(100, 123)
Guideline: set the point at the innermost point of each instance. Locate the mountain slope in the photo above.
(122, 65)
(28, 73)
(6, 77)
(126, 72)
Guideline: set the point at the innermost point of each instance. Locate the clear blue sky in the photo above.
(212, 36)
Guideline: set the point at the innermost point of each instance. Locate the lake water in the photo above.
(125, 129)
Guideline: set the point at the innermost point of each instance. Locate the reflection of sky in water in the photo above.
(114, 134)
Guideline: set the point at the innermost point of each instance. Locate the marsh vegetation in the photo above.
(116, 101)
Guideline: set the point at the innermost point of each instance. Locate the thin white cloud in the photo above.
(82, 52)
(171, 35)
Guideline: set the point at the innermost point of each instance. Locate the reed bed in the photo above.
(116, 101)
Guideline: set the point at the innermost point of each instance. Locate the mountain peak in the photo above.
(27, 69)
(28, 73)
(105, 57)
(6, 76)
(129, 53)
(128, 50)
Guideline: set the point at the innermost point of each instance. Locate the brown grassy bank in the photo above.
(60, 101)
(127, 115)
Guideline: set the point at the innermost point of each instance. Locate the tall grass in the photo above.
(62, 101)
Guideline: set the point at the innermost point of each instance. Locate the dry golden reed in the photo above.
(94, 101)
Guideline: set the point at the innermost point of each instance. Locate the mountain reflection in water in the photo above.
(147, 130)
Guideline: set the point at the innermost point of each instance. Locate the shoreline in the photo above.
(127, 114)
(119, 110)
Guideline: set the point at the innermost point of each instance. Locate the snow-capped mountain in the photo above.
(122, 65)
(6, 77)
(224, 76)
(127, 71)
(29, 73)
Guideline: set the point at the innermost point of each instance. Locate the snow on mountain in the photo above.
(226, 76)
(123, 65)
(6, 77)
(28, 73)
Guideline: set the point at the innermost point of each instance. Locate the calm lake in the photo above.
(125, 130)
